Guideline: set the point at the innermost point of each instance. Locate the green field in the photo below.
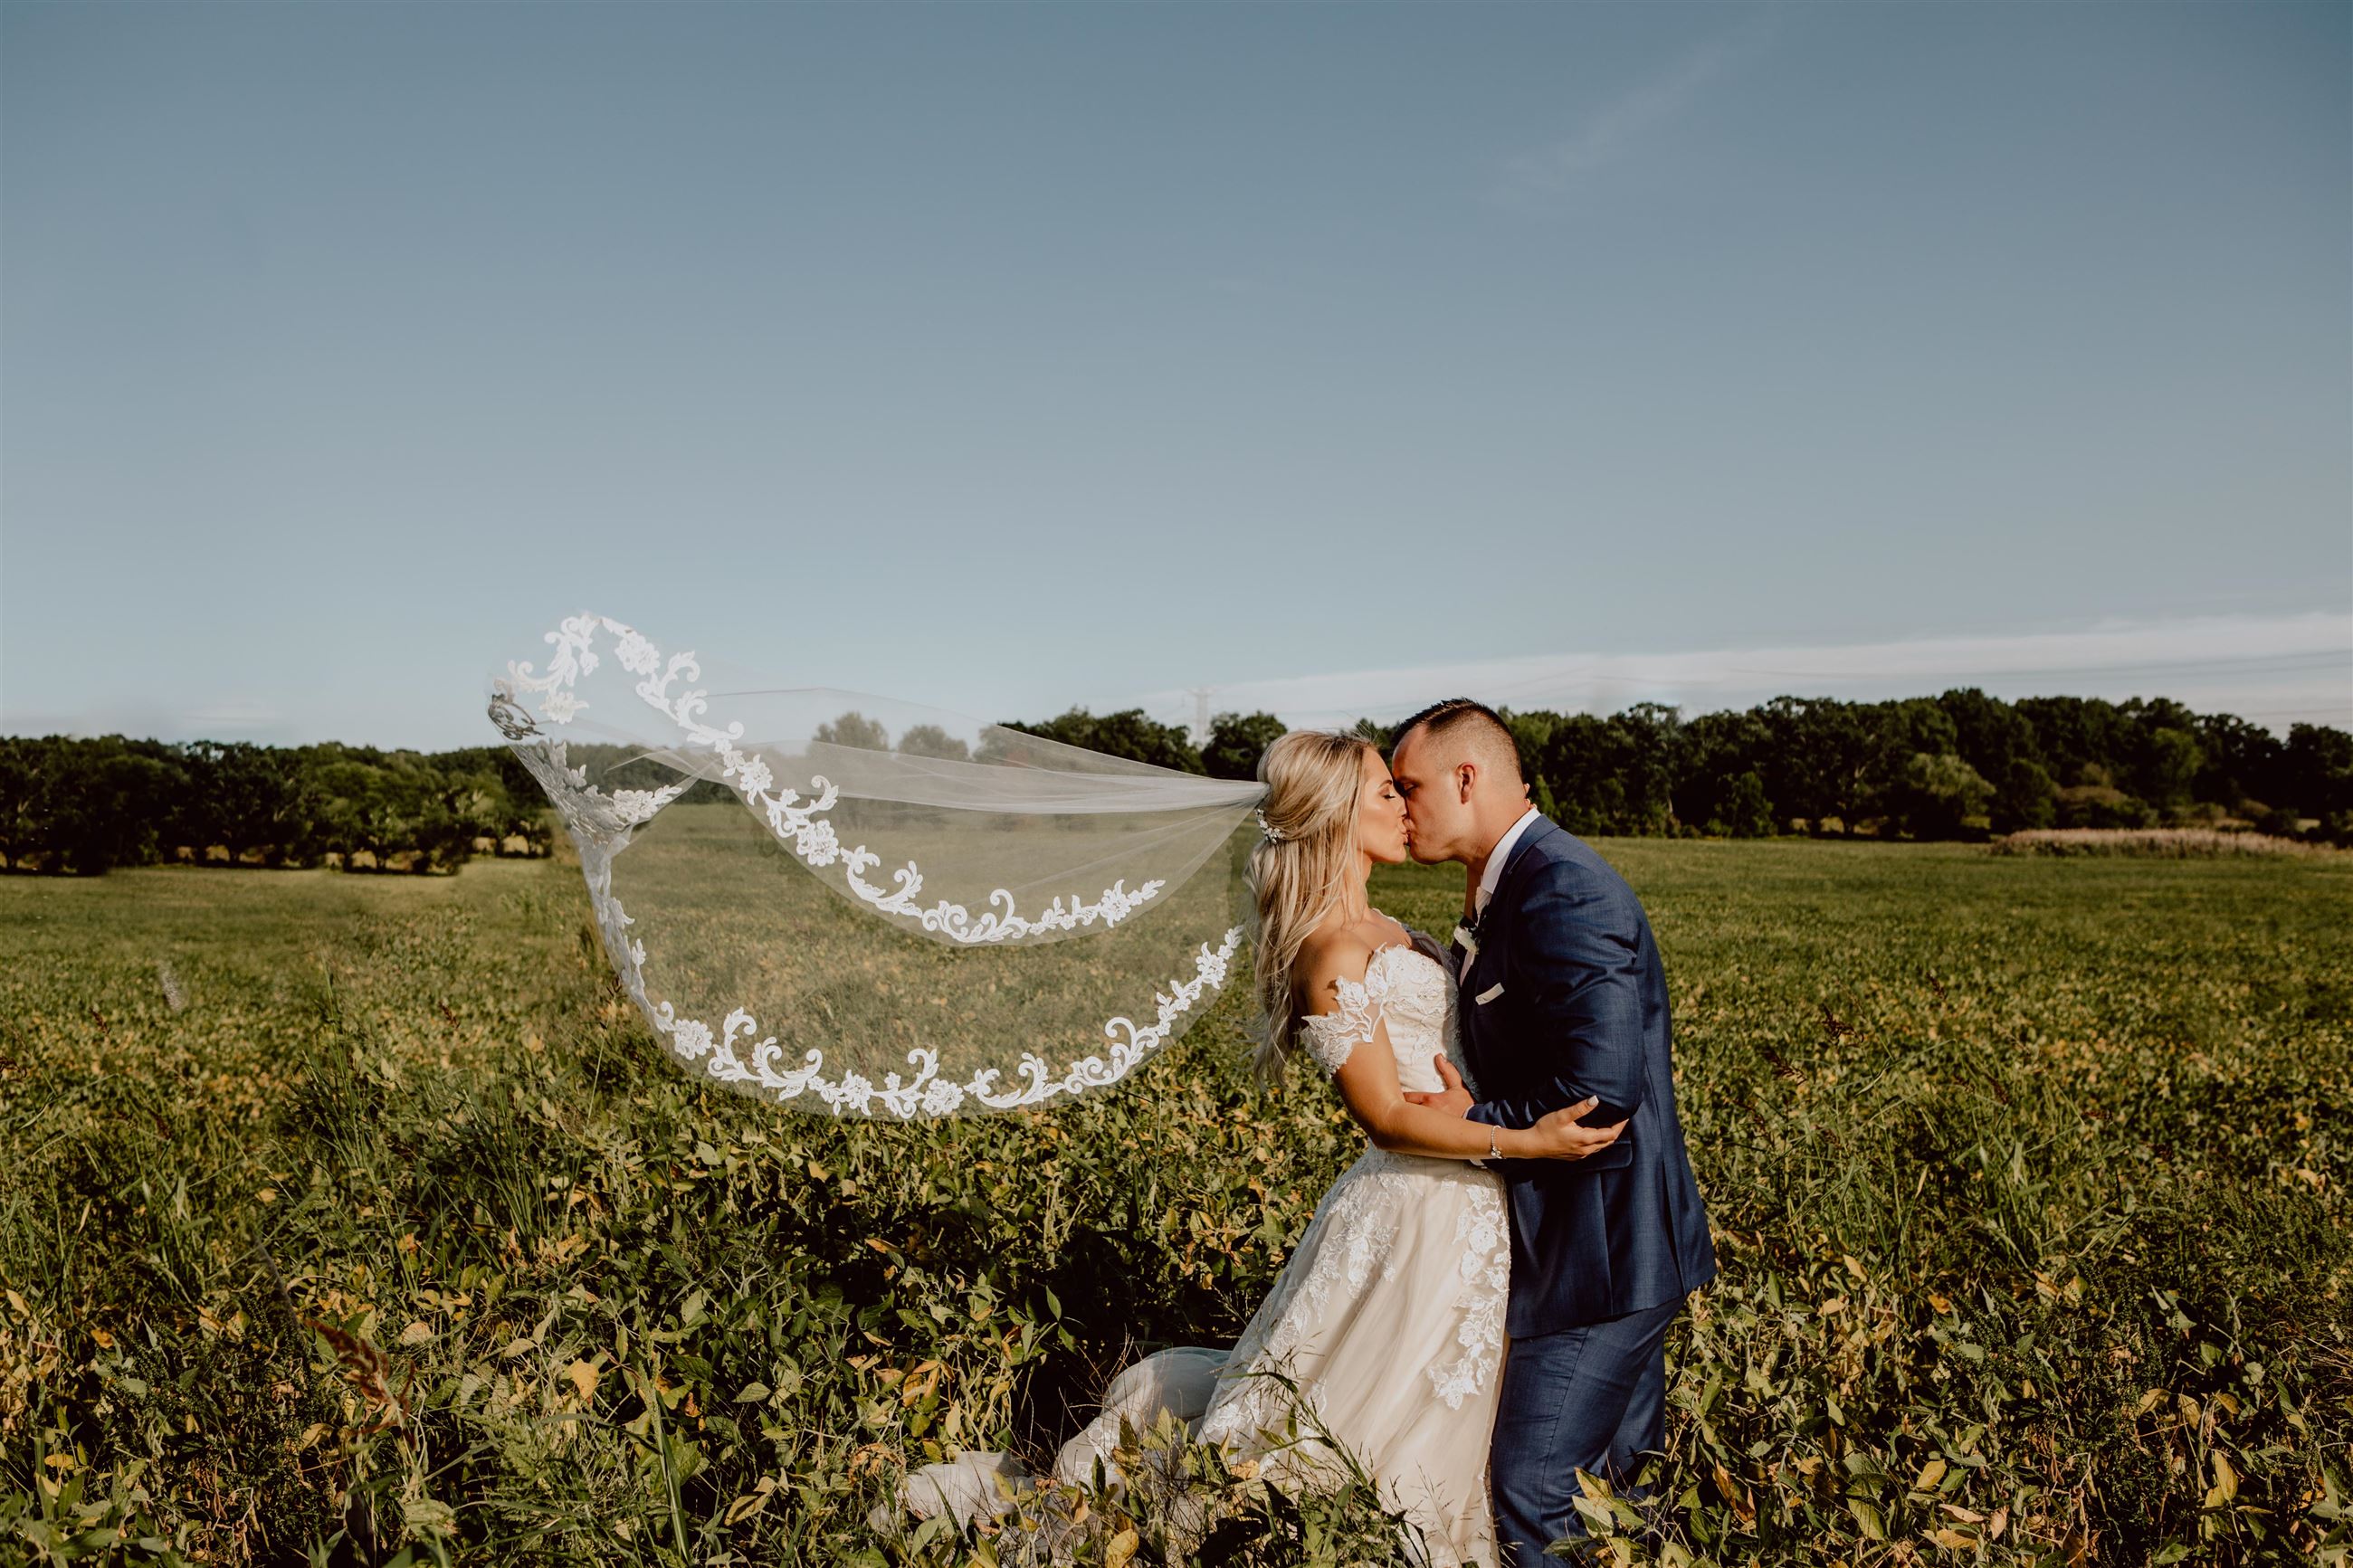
(399, 1233)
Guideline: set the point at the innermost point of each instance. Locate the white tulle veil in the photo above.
(859, 906)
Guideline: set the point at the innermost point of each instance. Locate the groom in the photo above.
(1562, 996)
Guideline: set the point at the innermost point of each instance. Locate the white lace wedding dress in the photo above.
(1387, 1320)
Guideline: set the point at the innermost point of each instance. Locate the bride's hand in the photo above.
(1558, 1137)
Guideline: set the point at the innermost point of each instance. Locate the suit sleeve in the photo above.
(1577, 947)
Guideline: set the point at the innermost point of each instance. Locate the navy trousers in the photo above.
(1591, 1398)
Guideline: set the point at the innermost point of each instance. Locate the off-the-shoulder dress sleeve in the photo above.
(1331, 1037)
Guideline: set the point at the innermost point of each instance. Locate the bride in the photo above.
(1384, 1332)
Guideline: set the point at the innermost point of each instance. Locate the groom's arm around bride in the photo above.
(1581, 947)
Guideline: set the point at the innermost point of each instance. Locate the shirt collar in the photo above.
(1495, 858)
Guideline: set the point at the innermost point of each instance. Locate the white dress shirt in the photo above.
(1495, 858)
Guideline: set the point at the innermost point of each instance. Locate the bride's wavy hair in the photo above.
(1297, 871)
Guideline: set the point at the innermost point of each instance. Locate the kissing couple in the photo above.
(1478, 1308)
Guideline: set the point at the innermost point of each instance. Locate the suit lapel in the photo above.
(1495, 923)
(1494, 929)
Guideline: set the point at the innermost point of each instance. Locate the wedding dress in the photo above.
(1387, 1320)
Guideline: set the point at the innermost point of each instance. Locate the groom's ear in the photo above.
(1466, 779)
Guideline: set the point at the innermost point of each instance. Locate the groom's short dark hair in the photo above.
(1456, 714)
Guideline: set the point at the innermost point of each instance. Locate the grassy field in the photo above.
(347, 1219)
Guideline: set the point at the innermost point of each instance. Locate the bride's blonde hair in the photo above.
(1297, 870)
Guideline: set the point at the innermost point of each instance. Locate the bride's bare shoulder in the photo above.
(1329, 956)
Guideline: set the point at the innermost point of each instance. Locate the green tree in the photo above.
(1717, 750)
(1745, 813)
(1129, 733)
(1901, 732)
(854, 729)
(1818, 757)
(1531, 731)
(2075, 732)
(242, 796)
(2241, 760)
(1940, 797)
(2317, 770)
(2168, 764)
(23, 819)
(105, 804)
(1237, 742)
(1579, 770)
(2027, 796)
(931, 740)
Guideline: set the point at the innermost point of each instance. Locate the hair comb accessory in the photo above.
(1273, 834)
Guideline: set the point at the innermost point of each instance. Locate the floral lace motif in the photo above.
(795, 822)
(1415, 999)
(756, 1065)
(1486, 1273)
(1332, 1038)
(1349, 1235)
(1352, 1238)
(601, 827)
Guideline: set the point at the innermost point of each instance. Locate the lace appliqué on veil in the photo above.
(732, 1052)
(796, 821)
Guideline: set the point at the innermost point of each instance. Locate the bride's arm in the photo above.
(1349, 1036)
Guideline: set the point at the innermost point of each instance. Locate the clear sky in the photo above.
(1004, 356)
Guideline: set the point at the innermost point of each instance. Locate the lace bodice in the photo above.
(1409, 988)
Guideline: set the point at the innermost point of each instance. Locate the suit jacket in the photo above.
(1565, 997)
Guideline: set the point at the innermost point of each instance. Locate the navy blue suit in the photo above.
(1566, 997)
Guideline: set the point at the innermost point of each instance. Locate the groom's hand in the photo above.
(1454, 1100)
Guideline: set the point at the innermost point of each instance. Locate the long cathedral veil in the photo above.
(855, 905)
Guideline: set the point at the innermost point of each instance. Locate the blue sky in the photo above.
(1004, 356)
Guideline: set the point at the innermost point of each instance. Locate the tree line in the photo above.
(1960, 766)
(1956, 766)
(84, 806)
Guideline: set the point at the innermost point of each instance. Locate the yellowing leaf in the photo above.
(1930, 1474)
(1119, 1549)
(417, 1333)
(583, 1378)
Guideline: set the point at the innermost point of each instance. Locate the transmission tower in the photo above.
(1200, 696)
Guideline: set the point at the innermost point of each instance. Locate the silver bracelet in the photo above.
(1495, 1150)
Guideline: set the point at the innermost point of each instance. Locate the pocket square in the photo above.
(1490, 994)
